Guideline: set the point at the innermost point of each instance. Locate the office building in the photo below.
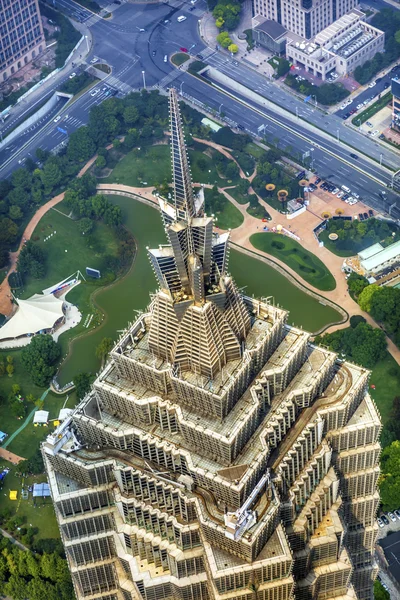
(21, 35)
(305, 18)
(396, 104)
(346, 44)
(220, 454)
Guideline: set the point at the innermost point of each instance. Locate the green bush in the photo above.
(327, 93)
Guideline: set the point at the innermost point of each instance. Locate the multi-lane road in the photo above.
(137, 59)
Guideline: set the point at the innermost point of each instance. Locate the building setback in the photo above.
(220, 455)
(21, 35)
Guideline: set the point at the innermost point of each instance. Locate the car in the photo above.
(57, 118)
(166, 58)
(166, 21)
(378, 80)
(183, 49)
(335, 191)
(104, 88)
(141, 30)
(375, 132)
(346, 116)
(371, 214)
(380, 522)
(361, 217)
(369, 124)
(359, 106)
(193, 1)
(381, 137)
(365, 215)
(386, 85)
(394, 68)
(199, 56)
(346, 197)
(353, 111)
(235, 62)
(397, 511)
(355, 156)
(340, 194)
(117, 2)
(72, 75)
(392, 517)
(241, 127)
(191, 8)
(365, 102)
(317, 181)
(372, 84)
(356, 196)
(343, 107)
(94, 93)
(154, 52)
(94, 60)
(385, 587)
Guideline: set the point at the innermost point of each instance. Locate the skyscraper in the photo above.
(21, 35)
(220, 455)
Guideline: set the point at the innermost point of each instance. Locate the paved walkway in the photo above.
(13, 540)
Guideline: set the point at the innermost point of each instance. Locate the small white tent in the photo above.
(33, 315)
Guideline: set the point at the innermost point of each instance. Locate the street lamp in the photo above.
(359, 124)
(87, 43)
(338, 135)
(144, 80)
(315, 99)
(297, 112)
(181, 87)
(380, 159)
(312, 159)
(219, 110)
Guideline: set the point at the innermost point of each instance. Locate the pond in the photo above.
(121, 300)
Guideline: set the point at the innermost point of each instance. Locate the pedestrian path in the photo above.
(25, 423)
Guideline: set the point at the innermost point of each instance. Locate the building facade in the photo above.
(305, 18)
(220, 455)
(341, 47)
(21, 35)
(395, 86)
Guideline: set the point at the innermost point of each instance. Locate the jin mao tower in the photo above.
(220, 454)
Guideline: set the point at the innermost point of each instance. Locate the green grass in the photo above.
(152, 166)
(257, 211)
(228, 218)
(386, 378)
(304, 263)
(332, 245)
(68, 250)
(179, 58)
(372, 110)
(254, 150)
(239, 197)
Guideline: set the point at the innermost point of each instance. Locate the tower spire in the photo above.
(182, 180)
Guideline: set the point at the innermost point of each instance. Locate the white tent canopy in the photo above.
(41, 416)
(33, 315)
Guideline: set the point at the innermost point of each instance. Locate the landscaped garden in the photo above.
(290, 252)
(227, 216)
(354, 236)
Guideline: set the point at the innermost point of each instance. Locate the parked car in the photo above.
(392, 517)
(317, 181)
(397, 511)
(72, 75)
(94, 93)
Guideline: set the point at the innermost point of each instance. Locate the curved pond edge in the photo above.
(272, 263)
(92, 299)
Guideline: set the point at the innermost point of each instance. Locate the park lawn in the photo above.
(254, 150)
(386, 378)
(257, 211)
(304, 263)
(332, 246)
(42, 516)
(228, 218)
(152, 166)
(239, 197)
(68, 250)
(179, 58)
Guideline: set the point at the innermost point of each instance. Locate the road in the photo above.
(137, 59)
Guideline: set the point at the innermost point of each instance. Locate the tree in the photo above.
(85, 226)
(103, 349)
(82, 384)
(379, 591)
(365, 298)
(223, 39)
(101, 162)
(390, 476)
(356, 283)
(39, 358)
(131, 115)
(10, 370)
(233, 48)
(51, 175)
(31, 260)
(15, 213)
(283, 67)
(80, 146)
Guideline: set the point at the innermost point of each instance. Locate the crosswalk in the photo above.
(92, 20)
(165, 81)
(207, 53)
(118, 84)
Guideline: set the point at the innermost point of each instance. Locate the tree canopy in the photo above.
(39, 358)
(31, 260)
(82, 384)
(390, 476)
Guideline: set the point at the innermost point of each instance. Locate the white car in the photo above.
(372, 84)
(94, 60)
(375, 132)
(340, 194)
(72, 75)
(57, 119)
(380, 522)
(94, 93)
(356, 195)
(335, 191)
(369, 124)
(359, 106)
(392, 517)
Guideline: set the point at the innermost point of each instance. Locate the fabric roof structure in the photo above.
(64, 413)
(41, 490)
(33, 315)
(41, 416)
